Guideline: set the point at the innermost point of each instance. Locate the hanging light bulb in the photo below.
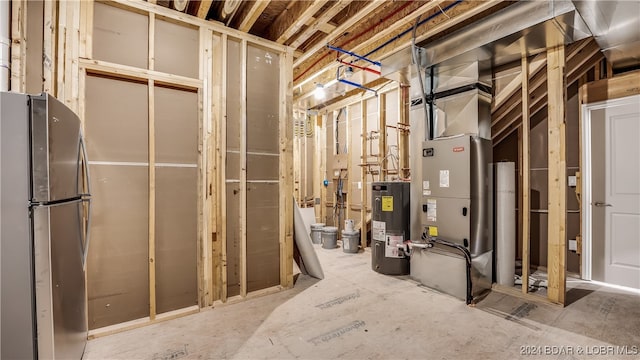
(348, 72)
(319, 92)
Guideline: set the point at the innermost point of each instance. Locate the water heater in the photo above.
(390, 227)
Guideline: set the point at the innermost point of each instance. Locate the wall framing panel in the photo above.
(75, 56)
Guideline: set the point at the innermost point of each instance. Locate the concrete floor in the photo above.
(355, 313)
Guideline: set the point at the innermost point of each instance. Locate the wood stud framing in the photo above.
(556, 82)
(68, 59)
(363, 170)
(525, 174)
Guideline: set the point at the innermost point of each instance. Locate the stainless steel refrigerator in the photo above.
(44, 215)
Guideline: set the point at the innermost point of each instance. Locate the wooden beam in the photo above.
(557, 195)
(203, 8)
(363, 170)
(169, 14)
(317, 166)
(243, 168)
(326, 74)
(216, 187)
(350, 177)
(49, 48)
(403, 133)
(133, 73)
(251, 13)
(382, 135)
(152, 203)
(292, 19)
(623, 85)
(285, 169)
(221, 150)
(338, 31)
(319, 22)
(322, 149)
(525, 175)
(204, 252)
(18, 45)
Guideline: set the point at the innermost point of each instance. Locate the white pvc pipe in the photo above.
(5, 43)
(505, 223)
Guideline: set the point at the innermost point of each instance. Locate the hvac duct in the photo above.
(5, 43)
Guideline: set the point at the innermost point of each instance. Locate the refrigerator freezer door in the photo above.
(16, 311)
(59, 281)
(55, 150)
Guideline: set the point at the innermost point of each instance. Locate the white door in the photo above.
(615, 202)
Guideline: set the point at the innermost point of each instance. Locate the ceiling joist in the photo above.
(203, 8)
(318, 23)
(338, 31)
(250, 14)
(292, 19)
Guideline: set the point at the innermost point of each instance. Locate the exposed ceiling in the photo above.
(378, 29)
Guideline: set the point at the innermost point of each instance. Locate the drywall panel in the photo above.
(234, 95)
(118, 265)
(120, 36)
(176, 238)
(392, 113)
(263, 247)
(116, 120)
(176, 126)
(538, 245)
(34, 46)
(176, 49)
(573, 126)
(340, 136)
(263, 103)
(233, 239)
(538, 140)
(539, 189)
(262, 167)
(355, 154)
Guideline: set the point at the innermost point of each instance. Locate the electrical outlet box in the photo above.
(573, 181)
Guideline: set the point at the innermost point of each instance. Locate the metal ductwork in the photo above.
(526, 27)
(616, 28)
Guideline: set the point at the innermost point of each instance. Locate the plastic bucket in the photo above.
(329, 237)
(316, 233)
(350, 241)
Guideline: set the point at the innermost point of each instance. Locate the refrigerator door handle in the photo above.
(86, 198)
(87, 236)
(85, 165)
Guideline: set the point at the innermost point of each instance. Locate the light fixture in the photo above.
(348, 72)
(319, 92)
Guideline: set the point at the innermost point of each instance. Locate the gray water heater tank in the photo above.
(390, 226)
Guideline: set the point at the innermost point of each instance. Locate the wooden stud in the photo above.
(152, 172)
(292, 19)
(322, 149)
(317, 167)
(222, 173)
(49, 48)
(382, 135)
(86, 29)
(61, 41)
(556, 260)
(350, 173)
(317, 23)
(363, 170)
(18, 45)
(403, 132)
(216, 186)
(286, 169)
(152, 203)
(525, 174)
(243, 169)
(251, 14)
(205, 245)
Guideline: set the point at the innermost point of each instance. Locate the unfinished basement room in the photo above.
(319, 179)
